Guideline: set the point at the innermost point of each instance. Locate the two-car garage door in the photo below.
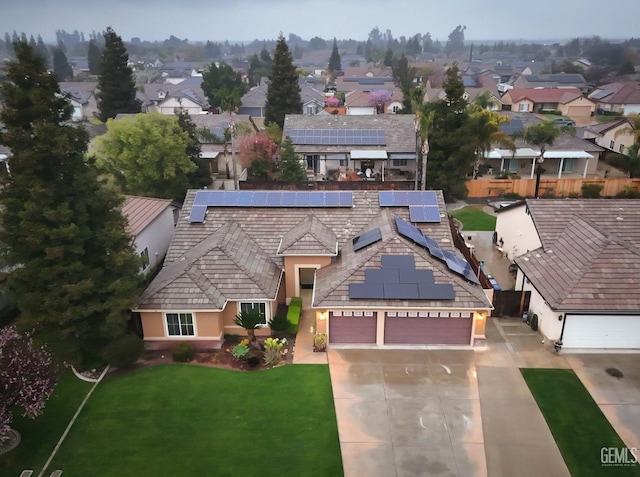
(601, 331)
(431, 330)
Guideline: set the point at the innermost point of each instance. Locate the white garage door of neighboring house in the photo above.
(427, 330)
(352, 329)
(602, 331)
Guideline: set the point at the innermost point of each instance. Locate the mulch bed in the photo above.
(221, 358)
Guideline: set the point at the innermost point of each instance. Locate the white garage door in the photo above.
(602, 331)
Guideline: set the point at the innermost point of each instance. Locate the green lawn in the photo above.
(40, 436)
(473, 218)
(576, 422)
(182, 420)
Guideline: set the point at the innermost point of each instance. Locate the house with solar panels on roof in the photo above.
(376, 268)
(380, 145)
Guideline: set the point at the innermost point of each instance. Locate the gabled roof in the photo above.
(590, 255)
(309, 237)
(545, 95)
(602, 128)
(360, 98)
(624, 92)
(226, 265)
(559, 78)
(80, 91)
(141, 211)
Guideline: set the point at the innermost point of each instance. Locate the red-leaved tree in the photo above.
(257, 153)
(27, 377)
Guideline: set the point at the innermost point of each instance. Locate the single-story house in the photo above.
(357, 102)
(254, 101)
(622, 97)
(615, 136)
(568, 155)
(553, 80)
(580, 260)
(474, 86)
(383, 143)
(381, 265)
(151, 223)
(569, 101)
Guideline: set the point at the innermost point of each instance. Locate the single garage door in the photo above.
(601, 331)
(352, 329)
(430, 330)
(579, 111)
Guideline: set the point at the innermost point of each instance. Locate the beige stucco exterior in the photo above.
(516, 233)
(292, 265)
(609, 140)
(578, 109)
(207, 324)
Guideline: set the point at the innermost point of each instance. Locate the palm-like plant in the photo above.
(250, 320)
(633, 127)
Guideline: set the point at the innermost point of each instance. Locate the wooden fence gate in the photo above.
(510, 302)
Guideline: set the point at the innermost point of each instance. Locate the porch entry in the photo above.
(306, 276)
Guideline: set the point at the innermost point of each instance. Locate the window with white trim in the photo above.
(180, 324)
(523, 107)
(260, 306)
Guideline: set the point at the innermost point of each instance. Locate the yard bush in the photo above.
(240, 351)
(591, 191)
(628, 193)
(280, 323)
(320, 341)
(293, 314)
(183, 352)
(273, 351)
(123, 352)
(512, 196)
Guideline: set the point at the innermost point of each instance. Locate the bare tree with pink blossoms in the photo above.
(380, 98)
(27, 378)
(332, 101)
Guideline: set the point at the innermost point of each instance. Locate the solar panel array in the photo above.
(209, 198)
(424, 213)
(366, 239)
(367, 80)
(601, 94)
(454, 263)
(407, 198)
(512, 127)
(339, 137)
(398, 279)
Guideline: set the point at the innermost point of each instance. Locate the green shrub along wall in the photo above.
(293, 314)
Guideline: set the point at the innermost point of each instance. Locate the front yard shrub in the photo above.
(183, 352)
(591, 191)
(628, 193)
(240, 351)
(273, 351)
(123, 352)
(293, 315)
(320, 341)
(512, 196)
(279, 323)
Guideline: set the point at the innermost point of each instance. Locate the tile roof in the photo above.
(545, 95)
(81, 91)
(624, 92)
(233, 254)
(359, 97)
(309, 237)
(602, 128)
(590, 254)
(141, 211)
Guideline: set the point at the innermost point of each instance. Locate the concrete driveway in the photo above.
(408, 412)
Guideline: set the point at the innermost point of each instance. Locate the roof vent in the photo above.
(619, 217)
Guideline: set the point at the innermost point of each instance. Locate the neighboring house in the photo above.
(151, 223)
(615, 136)
(568, 156)
(555, 80)
(382, 143)
(579, 259)
(474, 86)
(167, 98)
(622, 97)
(83, 99)
(569, 101)
(357, 102)
(254, 101)
(346, 84)
(375, 277)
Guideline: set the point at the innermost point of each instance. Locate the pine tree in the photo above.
(116, 86)
(43, 51)
(290, 168)
(61, 67)
(335, 62)
(93, 57)
(283, 93)
(74, 274)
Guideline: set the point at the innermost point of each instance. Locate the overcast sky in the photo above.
(246, 20)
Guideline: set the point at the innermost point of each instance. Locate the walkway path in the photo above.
(304, 353)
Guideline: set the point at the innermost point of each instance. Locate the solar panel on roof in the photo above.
(398, 261)
(407, 198)
(260, 198)
(439, 291)
(197, 213)
(366, 239)
(401, 291)
(201, 198)
(470, 275)
(316, 199)
(386, 198)
(245, 199)
(288, 199)
(366, 290)
(381, 275)
(302, 199)
(346, 199)
(332, 200)
(274, 200)
(420, 213)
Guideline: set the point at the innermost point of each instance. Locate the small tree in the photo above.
(251, 320)
(380, 99)
(332, 102)
(257, 153)
(290, 167)
(222, 86)
(27, 378)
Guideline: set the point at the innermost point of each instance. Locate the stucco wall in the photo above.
(156, 237)
(291, 266)
(515, 227)
(548, 324)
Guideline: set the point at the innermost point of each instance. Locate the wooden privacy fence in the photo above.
(548, 187)
(510, 302)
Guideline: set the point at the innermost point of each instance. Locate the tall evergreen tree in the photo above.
(61, 67)
(116, 86)
(93, 57)
(283, 93)
(43, 51)
(290, 167)
(223, 86)
(74, 274)
(335, 62)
